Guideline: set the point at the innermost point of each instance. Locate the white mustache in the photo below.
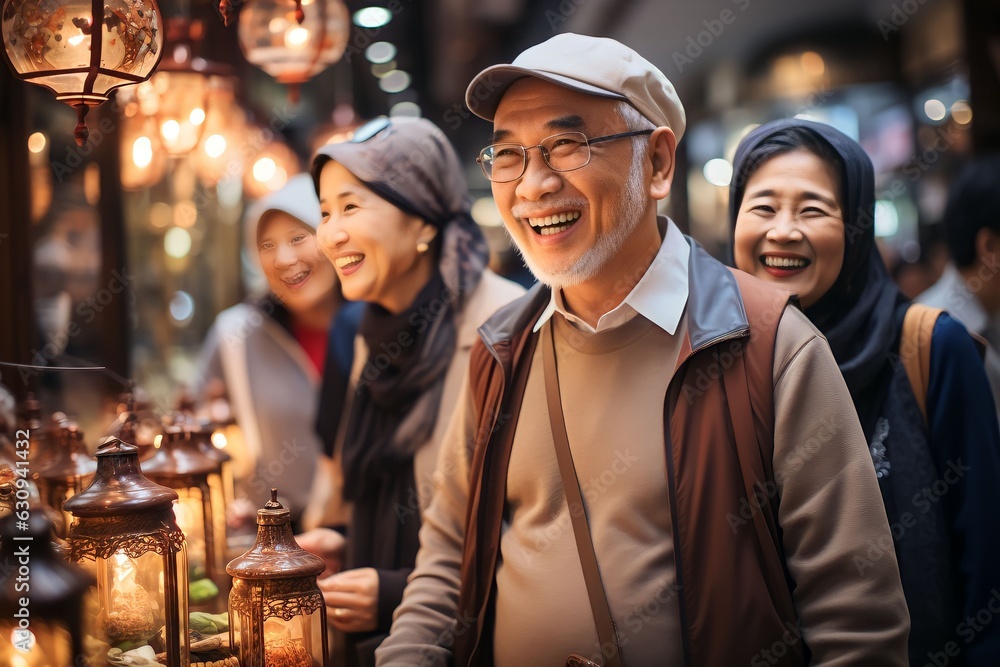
(529, 210)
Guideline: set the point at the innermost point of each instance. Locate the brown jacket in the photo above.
(739, 601)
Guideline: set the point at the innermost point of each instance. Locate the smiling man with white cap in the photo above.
(658, 462)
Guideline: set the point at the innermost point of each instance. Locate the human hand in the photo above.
(352, 599)
(327, 544)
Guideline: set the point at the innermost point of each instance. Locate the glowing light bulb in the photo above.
(170, 129)
(36, 142)
(296, 37)
(264, 169)
(142, 152)
(215, 146)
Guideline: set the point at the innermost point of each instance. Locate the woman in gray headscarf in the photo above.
(396, 224)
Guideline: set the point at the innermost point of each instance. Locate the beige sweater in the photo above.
(616, 436)
(831, 514)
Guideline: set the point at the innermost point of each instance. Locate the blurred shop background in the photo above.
(120, 253)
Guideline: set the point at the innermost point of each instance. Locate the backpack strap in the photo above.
(915, 349)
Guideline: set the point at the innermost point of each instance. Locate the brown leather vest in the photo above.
(735, 593)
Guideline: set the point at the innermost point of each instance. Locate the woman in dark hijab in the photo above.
(396, 224)
(802, 207)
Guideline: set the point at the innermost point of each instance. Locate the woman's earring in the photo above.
(422, 247)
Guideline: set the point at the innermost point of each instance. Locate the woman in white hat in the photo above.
(268, 355)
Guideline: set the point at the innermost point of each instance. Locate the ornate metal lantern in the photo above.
(181, 465)
(290, 43)
(276, 613)
(69, 470)
(30, 429)
(52, 43)
(137, 424)
(125, 533)
(47, 631)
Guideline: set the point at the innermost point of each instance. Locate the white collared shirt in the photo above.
(659, 296)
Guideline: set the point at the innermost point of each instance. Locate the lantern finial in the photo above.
(82, 133)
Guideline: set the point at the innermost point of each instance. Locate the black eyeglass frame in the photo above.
(545, 152)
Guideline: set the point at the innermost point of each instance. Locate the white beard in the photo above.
(627, 216)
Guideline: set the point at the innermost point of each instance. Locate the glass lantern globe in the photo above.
(277, 617)
(291, 51)
(269, 169)
(52, 44)
(225, 141)
(181, 465)
(47, 632)
(125, 534)
(67, 473)
(142, 163)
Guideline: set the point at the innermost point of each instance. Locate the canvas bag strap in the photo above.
(607, 630)
(915, 349)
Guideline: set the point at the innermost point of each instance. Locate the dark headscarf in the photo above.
(857, 314)
(412, 165)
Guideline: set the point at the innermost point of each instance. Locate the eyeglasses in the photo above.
(370, 129)
(503, 163)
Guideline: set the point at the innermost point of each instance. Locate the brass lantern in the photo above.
(67, 473)
(52, 43)
(30, 431)
(47, 631)
(137, 424)
(181, 465)
(277, 617)
(125, 533)
(292, 43)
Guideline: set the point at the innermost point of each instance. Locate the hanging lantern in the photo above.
(48, 631)
(181, 85)
(51, 43)
(277, 617)
(67, 473)
(225, 142)
(125, 533)
(179, 464)
(269, 170)
(276, 37)
(142, 163)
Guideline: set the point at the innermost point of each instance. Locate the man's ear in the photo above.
(663, 145)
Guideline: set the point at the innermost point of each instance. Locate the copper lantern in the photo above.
(69, 470)
(41, 599)
(125, 533)
(294, 43)
(181, 465)
(277, 617)
(82, 49)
